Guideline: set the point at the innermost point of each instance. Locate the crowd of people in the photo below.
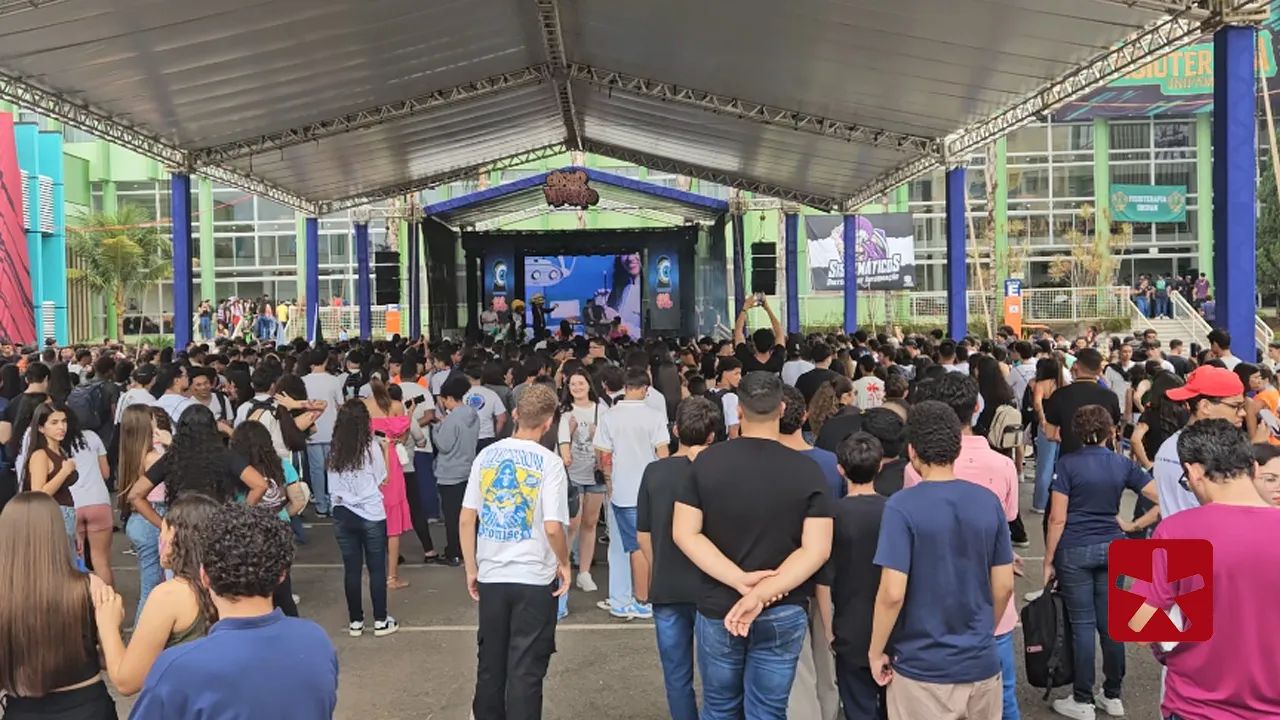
(819, 526)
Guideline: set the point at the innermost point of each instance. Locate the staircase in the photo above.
(1188, 326)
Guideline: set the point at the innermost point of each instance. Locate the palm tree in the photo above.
(122, 254)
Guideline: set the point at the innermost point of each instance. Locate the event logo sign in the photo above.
(569, 189)
(663, 273)
(1170, 591)
(1180, 83)
(885, 251)
(1149, 203)
(17, 312)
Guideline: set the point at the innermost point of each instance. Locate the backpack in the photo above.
(258, 408)
(351, 386)
(722, 430)
(1046, 635)
(89, 403)
(1005, 432)
(1029, 405)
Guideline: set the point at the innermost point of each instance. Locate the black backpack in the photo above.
(89, 403)
(351, 386)
(1046, 635)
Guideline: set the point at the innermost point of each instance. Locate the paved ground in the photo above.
(604, 668)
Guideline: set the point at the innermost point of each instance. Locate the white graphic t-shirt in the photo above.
(515, 487)
(488, 406)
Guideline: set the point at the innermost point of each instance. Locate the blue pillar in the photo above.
(415, 282)
(364, 287)
(792, 250)
(957, 270)
(311, 288)
(1235, 158)
(850, 236)
(739, 264)
(180, 207)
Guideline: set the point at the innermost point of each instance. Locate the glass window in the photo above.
(237, 210)
(287, 247)
(1028, 182)
(1072, 137)
(664, 179)
(630, 171)
(1130, 174)
(144, 203)
(223, 251)
(136, 187)
(268, 210)
(246, 250)
(431, 195)
(338, 245)
(1073, 181)
(1130, 136)
(515, 174)
(1029, 139)
(1029, 228)
(1177, 173)
(269, 255)
(714, 190)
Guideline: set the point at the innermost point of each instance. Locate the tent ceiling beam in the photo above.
(1151, 42)
(1193, 9)
(558, 62)
(654, 162)
(755, 112)
(374, 116)
(501, 221)
(441, 178)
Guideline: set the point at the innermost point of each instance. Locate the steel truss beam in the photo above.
(1151, 42)
(558, 61)
(1194, 9)
(756, 112)
(372, 117)
(259, 187)
(530, 213)
(653, 162)
(442, 178)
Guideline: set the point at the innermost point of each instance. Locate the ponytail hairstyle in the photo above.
(826, 402)
(378, 388)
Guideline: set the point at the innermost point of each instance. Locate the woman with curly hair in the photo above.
(198, 462)
(831, 399)
(48, 644)
(177, 611)
(252, 442)
(357, 475)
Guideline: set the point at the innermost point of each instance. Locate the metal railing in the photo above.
(1263, 332)
(905, 307)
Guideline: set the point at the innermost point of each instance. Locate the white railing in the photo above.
(1263, 332)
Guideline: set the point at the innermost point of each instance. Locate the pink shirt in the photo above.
(1233, 675)
(981, 465)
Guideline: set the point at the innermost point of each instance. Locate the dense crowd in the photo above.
(819, 526)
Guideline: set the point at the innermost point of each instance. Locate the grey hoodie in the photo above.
(455, 441)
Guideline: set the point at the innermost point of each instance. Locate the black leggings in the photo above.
(416, 514)
(92, 702)
(451, 509)
(283, 596)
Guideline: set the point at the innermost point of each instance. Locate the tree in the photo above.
(1268, 233)
(1086, 264)
(123, 254)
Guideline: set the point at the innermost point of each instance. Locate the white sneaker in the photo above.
(1111, 706)
(1033, 595)
(605, 605)
(355, 629)
(297, 598)
(1068, 707)
(382, 628)
(586, 583)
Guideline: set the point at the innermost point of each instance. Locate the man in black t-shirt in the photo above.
(764, 352)
(675, 580)
(809, 382)
(888, 428)
(756, 519)
(853, 578)
(1061, 408)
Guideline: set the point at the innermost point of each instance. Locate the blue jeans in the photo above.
(1144, 306)
(751, 675)
(626, 529)
(1162, 307)
(1046, 458)
(317, 453)
(206, 328)
(362, 542)
(674, 625)
(1008, 676)
(1082, 580)
(145, 538)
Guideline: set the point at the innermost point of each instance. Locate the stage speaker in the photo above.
(764, 268)
(386, 278)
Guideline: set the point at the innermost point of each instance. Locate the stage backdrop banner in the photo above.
(886, 251)
(1149, 203)
(17, 312)
(662, 268)
(569, 281)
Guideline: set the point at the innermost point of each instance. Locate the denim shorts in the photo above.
(626, 527)
(596, 489)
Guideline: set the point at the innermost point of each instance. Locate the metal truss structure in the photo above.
(1152, 42)
(653, 162)
(558, 62)
(755, 112)
(501, 221)
(372, 117)
(443, 178)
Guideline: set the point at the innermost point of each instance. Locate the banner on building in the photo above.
(885, 249)
(1149, 203)
(1180, 83)
(17, 312)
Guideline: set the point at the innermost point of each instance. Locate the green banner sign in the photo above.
(1149, 203)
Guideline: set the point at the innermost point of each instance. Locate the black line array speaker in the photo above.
(386, 278)
(764, 268)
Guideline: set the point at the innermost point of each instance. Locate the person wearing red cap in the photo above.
(1210, 392)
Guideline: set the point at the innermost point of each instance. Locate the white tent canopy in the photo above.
(331, 104)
